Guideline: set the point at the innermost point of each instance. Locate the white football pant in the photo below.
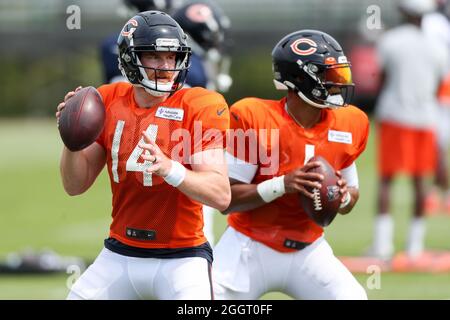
(247, 269)
(208, 220)
(114, 276)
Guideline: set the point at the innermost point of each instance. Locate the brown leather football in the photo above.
(82, 119)
(327, 199)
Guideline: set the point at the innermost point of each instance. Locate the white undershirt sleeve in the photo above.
(350, 174)
(239, 169)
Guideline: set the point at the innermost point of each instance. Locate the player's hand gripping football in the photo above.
(299, 179)
(63, 104)
(161, 164)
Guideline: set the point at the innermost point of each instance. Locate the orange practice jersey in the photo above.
(145, 202)
(339, 137)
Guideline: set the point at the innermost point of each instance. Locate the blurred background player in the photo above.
(437, 26)
(207, 28)
(413, 66)
(271, 244)
(108, 49)
(156, 247)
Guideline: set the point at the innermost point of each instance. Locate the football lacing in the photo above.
(317, 202)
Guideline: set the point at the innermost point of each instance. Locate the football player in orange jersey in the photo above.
(271, 244)
(163, 147)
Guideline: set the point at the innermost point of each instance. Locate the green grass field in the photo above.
(35, 212)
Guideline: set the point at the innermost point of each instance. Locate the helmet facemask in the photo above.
(322, 86)
(331, 85)
(312, 64)
(217, 67)
(156, 87)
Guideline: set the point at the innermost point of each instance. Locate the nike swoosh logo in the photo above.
(219, 112)
(235, 116)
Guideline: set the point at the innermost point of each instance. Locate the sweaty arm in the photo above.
(207, 182)
(80, 169)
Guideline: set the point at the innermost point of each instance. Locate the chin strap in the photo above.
(154, 92)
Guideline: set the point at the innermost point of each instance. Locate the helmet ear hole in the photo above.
(127, 57)
(316, 92)
(313, 68)
(300, 78)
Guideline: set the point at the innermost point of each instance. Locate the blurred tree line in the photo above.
(34, 88)
(40, 59)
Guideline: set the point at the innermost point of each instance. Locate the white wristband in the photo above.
(271, 189)
(176, 175)
(348, 198)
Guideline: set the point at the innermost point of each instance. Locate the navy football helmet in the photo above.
(313, 64)
(152, 31)
(207, 27)
(147, 5)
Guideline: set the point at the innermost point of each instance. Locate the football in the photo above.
(82, 119)
(327, 199)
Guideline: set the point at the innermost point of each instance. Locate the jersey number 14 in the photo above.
(132, 162)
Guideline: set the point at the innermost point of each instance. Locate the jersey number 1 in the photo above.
(309, 152)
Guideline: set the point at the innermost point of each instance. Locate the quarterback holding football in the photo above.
(156, 246)
(272, 243)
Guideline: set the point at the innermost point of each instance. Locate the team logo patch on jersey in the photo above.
(304, 47)
(170, 113)
(340, 136)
